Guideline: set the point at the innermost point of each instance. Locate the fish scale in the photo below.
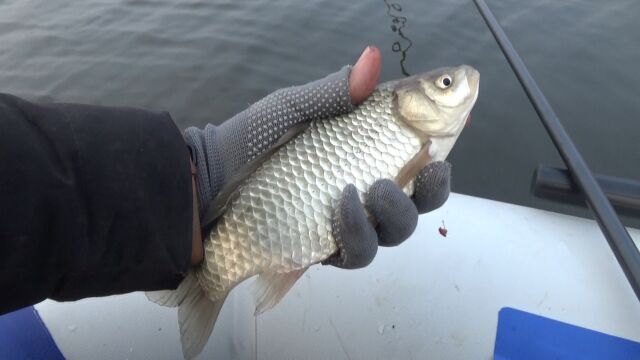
(281, 219)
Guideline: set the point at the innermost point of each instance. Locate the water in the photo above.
(204, 61)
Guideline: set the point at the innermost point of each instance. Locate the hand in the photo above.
(396, 215)
(220, 151)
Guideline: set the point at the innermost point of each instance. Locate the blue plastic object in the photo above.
(24, 336)
(526, 336)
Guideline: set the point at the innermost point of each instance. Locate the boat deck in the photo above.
(432, 297)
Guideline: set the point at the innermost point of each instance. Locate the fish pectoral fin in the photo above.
(270, 288)
(412, 168)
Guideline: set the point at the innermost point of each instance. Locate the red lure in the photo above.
(443, 230)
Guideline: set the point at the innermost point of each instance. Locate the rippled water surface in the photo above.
(206, 60)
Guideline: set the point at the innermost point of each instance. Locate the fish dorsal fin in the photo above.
(230, 190)
(272, 287)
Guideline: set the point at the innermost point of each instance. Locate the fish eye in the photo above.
(444, 81)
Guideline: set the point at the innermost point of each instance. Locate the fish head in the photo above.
(437, 104)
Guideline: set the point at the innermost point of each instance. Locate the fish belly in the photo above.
(281, 220)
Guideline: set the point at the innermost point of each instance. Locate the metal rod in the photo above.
(617, 236)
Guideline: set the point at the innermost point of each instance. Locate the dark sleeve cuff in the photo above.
(94, 201)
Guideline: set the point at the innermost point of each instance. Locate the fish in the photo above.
(274, 220)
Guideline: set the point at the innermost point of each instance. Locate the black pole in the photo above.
(619, 240)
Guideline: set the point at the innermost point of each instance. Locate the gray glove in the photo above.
(220, 151)
(396, 215)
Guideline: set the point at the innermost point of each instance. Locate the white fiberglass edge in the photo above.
(432, 297)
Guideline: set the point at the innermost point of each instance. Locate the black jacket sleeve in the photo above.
(94, 201)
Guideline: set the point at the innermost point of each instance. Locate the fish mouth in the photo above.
(473, 78)
(473, 81)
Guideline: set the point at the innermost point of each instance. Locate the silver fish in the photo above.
(277, 222)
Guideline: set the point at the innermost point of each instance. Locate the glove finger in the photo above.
(355, 237)
(396, 214)
(319, 99)
(432, 186)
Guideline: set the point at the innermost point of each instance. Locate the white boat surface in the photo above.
(433, 297)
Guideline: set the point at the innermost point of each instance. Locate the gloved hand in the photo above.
(396, 215)
(220, 151)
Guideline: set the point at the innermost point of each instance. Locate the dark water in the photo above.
(206, 60)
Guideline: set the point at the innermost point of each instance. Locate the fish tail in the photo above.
(197, 313)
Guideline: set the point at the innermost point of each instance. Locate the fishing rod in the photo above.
(616, 234)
